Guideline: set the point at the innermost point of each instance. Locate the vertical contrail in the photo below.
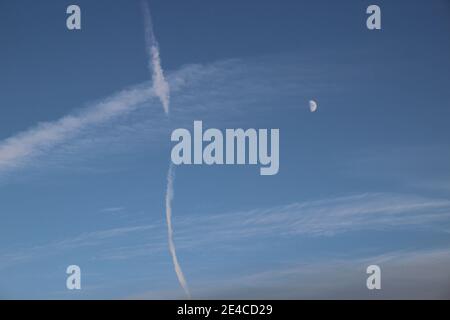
(160, 85)
(162, 91)
(169, 198)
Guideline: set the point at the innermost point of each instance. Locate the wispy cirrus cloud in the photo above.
(219, 91)
(413, 274)
(18, 150)
(321, 218)
(368, 211)
(22, 147)
(87, 239)
(112, 209)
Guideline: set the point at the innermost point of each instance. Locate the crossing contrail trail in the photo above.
(169, 198)
(162, 91)
(160, 85)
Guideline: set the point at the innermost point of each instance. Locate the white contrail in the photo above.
(169, 198)
(162, 90)
(160, 86)
(15, 151)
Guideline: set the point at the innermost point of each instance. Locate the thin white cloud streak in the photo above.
(169, 198)
(16, 150)
(112, 209)
(160, 85)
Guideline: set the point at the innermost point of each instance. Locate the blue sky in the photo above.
(84, 150)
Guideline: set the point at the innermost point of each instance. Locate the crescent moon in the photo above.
(312, 106)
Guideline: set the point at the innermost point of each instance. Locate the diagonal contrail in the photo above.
(160, 86)
(162, 91)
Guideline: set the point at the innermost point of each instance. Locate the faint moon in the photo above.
(312, 106)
